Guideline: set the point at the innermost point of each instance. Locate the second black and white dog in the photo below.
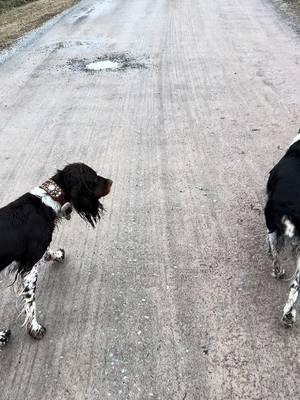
(27, 225)
(282, 214)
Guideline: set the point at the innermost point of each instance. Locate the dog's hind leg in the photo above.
(57, 255)
(289, 311)
(29, 280)
(4, 336)
(272, 239)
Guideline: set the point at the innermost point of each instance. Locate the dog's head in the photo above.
(83, 188)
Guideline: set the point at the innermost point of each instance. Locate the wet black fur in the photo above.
(283, 189)
(27, 225)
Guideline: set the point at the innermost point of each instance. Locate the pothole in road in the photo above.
(110, 62)
(100, 65)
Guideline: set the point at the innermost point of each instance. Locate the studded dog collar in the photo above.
(52, 195)
(54, 191)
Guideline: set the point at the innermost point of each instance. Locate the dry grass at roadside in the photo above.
(6, 4)
(289, 6)
(16, 21)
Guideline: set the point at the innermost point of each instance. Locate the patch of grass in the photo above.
(21, 16)
(6, 4)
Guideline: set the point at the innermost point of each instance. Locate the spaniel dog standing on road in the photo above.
(27, 225)
(282, 214)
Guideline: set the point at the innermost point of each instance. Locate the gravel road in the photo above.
(171, 297)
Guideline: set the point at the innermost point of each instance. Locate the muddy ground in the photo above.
(171, 297)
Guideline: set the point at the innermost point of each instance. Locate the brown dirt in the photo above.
(17, 21)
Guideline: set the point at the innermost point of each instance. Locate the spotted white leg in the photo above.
(4, 336)
(57, 255)
(29, 280)
(289, 311)
(272, 239)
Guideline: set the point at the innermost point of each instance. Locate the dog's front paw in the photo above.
(278, 273)
(59, 255)
(36, 331)
(289, 316)
(4, 336)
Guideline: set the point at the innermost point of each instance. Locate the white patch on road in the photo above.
(102, 65)
(102, 8)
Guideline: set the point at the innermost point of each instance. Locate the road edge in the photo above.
(26, 39)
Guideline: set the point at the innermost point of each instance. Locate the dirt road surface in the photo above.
(171, 297)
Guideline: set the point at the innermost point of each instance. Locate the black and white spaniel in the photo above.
(27, 225)
(282, 214)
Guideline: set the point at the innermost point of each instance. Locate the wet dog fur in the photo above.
(27, 225)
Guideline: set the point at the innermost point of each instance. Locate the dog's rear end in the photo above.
(282, 213)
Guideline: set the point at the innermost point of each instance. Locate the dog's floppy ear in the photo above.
(87, 206)
(79, 200)
(75, 193)
(83, 189)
